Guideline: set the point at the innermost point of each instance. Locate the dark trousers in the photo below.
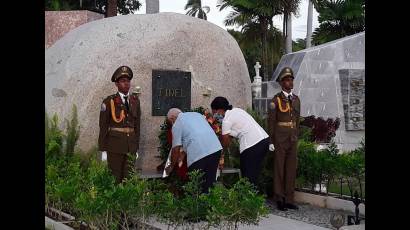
(251, 160)
(118, 164)
(208, 165)
(284, 174)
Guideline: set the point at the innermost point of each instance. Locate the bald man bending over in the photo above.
(192, 133)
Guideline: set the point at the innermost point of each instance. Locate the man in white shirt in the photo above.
(253, 140)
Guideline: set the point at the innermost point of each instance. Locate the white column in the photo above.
(289, 34)
(151, 6)
(309, 25)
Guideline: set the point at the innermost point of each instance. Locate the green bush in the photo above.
(164, 147)
(330, 164)
(327, 165)
(56, 142)
(63, 182)
(308, 169)
(305, 133)
(79, 184)
(193, 203)
(95, 203)
(168, 208)
(240, 204)
(53, 137)
(352, 169)
(72, 132)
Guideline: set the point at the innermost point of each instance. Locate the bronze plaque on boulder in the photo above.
(170, 88)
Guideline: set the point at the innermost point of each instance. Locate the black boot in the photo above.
(281, 206)
(291, 206)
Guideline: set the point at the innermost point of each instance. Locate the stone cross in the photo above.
(257, 67)
(256, 86)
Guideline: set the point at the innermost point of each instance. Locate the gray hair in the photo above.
(173, 113)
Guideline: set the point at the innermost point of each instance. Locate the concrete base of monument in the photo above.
(58, 220)
(55, 225)
(327, 202)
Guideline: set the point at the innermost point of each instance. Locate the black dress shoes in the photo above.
(281, 206)
(291, 206)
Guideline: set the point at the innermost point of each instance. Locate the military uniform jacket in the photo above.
(277, 133)
(115, 141)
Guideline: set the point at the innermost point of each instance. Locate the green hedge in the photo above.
(91, 195)
(79, 184)
(327, 167)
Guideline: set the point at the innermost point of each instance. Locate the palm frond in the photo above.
(191, 4)
(207, 9)
(192, 12)
(202, 14)
(231, 18)
(222, 4)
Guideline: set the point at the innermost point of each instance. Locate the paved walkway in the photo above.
(271, 222)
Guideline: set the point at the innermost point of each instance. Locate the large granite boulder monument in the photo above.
(175, 59)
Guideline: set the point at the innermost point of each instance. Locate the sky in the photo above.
(217, 17)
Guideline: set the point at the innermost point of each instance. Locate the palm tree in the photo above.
(111, 8)
(309, 24)
(249, 40)
(299, 44)
(115, 7)
(339, 18)
(256, 14)
(312, 3)
(289, 7)
(196, 9)
(57, 5)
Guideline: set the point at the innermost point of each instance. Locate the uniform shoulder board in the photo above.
(105, 102)
(103, 107)
(110, 97)
(272, 104)
(275, 98)
(107, 99)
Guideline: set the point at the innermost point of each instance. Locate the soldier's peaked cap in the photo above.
(122, 71)
(285, 72)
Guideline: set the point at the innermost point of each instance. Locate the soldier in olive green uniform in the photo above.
(283, 120)
(120, 124)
